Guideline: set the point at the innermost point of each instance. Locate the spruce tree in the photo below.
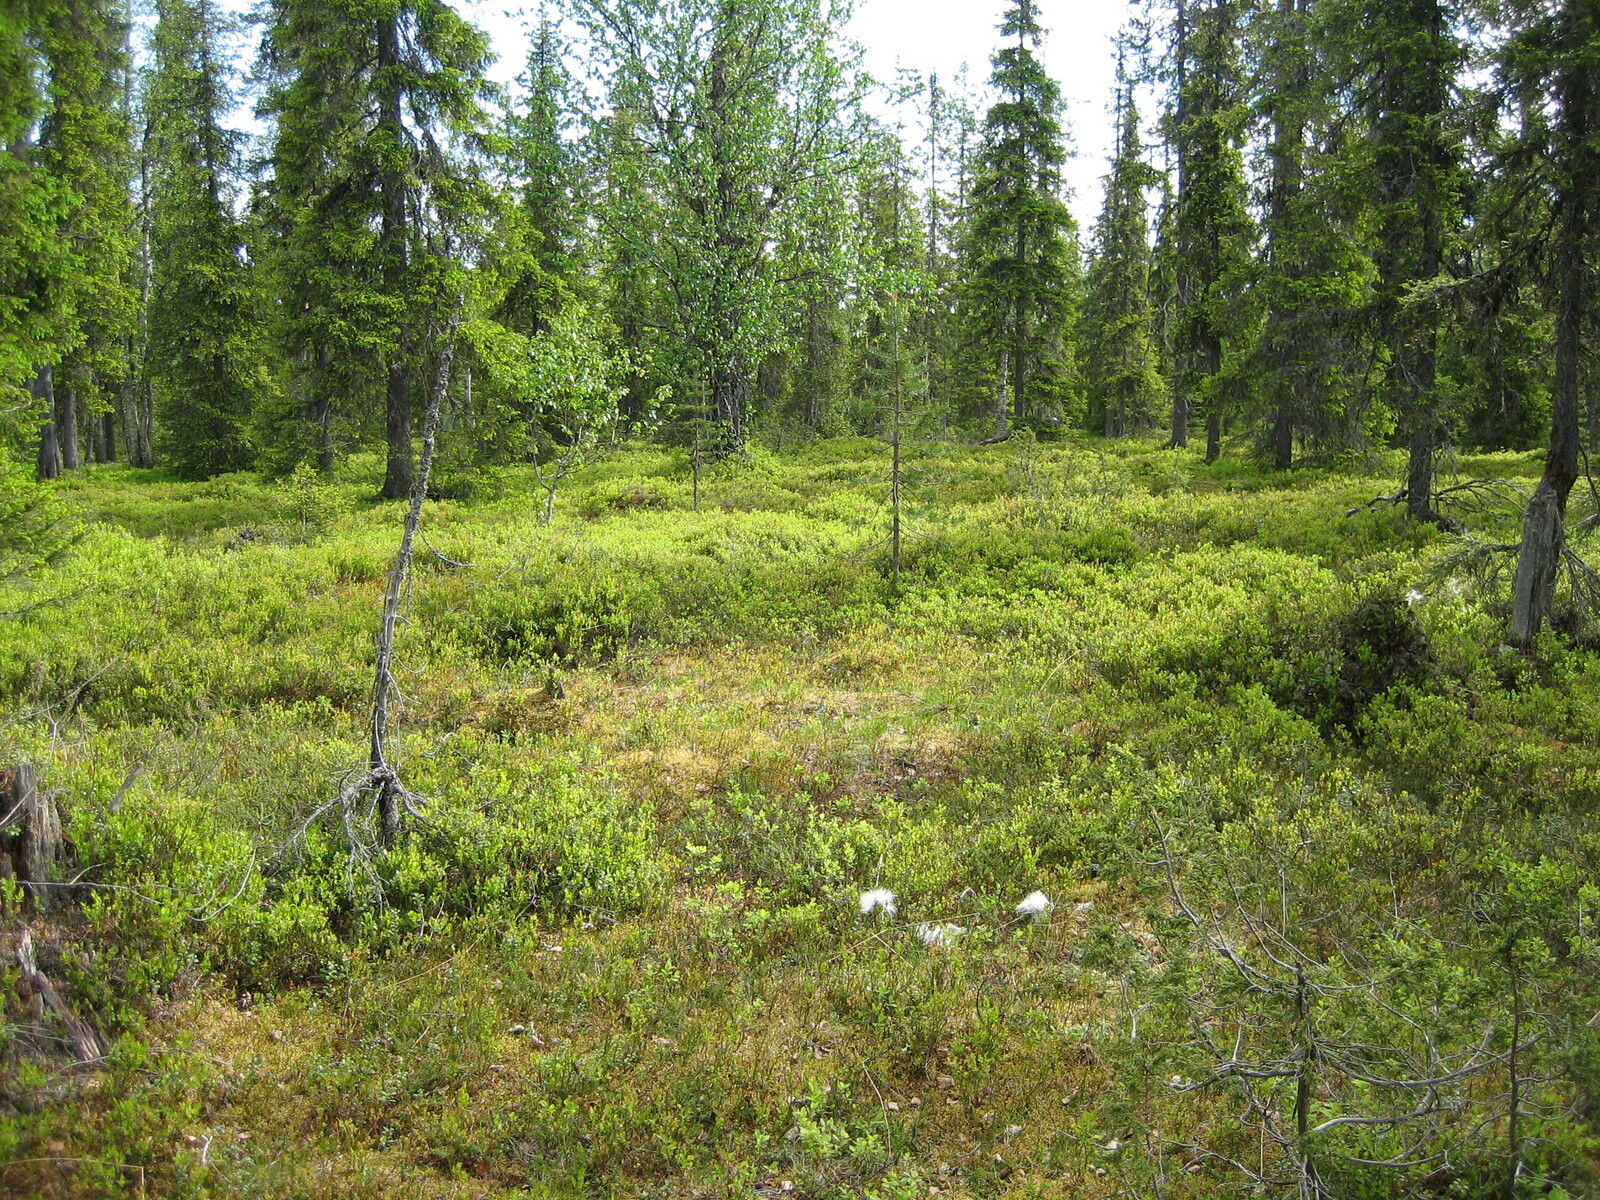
(1211, 229)
(34, 266)
(35, 319)
(1121, 363)
(372, 112)
(1414, 57)
(86, 144)
(204, 356)
(1022, 240)
(544, 172)
(1311, 282)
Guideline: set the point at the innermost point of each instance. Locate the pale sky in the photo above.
(941, 35)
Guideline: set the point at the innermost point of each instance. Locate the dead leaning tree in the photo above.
(379, 780)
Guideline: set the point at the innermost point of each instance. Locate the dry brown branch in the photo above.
(85, 1042)
(379, 780)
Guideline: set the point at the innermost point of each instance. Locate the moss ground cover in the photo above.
(1320, 851)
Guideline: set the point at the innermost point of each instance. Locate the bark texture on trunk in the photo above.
(1543, 524)
(1283, 433)
(1419, 469)
(731, 390)
(67, 427)
(400, 471)
(44, 393)
(1002, 411)
(31, 840)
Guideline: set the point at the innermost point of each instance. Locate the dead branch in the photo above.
(379, 780)
(1399, 497)
(392, 795)
(132, 778)
(85, 1042)
(1474, 496)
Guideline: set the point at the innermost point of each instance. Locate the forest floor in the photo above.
(1319, 848)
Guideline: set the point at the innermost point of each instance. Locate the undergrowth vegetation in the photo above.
(1321, 851)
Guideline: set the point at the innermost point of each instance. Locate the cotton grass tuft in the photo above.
(878, 900)
(933, 935)
(1035, 906)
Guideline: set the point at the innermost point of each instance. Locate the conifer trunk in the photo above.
(67, 428)
(730, 401)
(1001, 409)
(1543, 531)
(1180, 51)
(44, 393)
(1288, 169)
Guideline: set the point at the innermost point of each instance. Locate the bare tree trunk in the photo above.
(730, 401)
(130, 410)
(1543, 532)
(814, 400)
(1180, 417)
(399, 472)
(1001, 409)
(146, 431)
(1212, 353)
(44, 393)
(30, 833)
(894, 477)
(67, 427)
(97, 429)
(321, 409)
(1419, 470)
(1283, 433)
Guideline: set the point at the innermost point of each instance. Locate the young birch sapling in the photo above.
(570, 382)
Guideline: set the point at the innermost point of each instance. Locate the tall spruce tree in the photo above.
(34, 268)
(1312, 278)
(86, 144)
(1121, 362)
(544, 170)
(1413, 57)
(1211, 228)
(35, 292)
(1022, 240)
(371, 111)
(204, 353)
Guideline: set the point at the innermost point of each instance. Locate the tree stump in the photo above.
(31, 841)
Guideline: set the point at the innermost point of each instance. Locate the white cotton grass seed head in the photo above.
(878, 900)
(1035, 905)
(933, 935)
